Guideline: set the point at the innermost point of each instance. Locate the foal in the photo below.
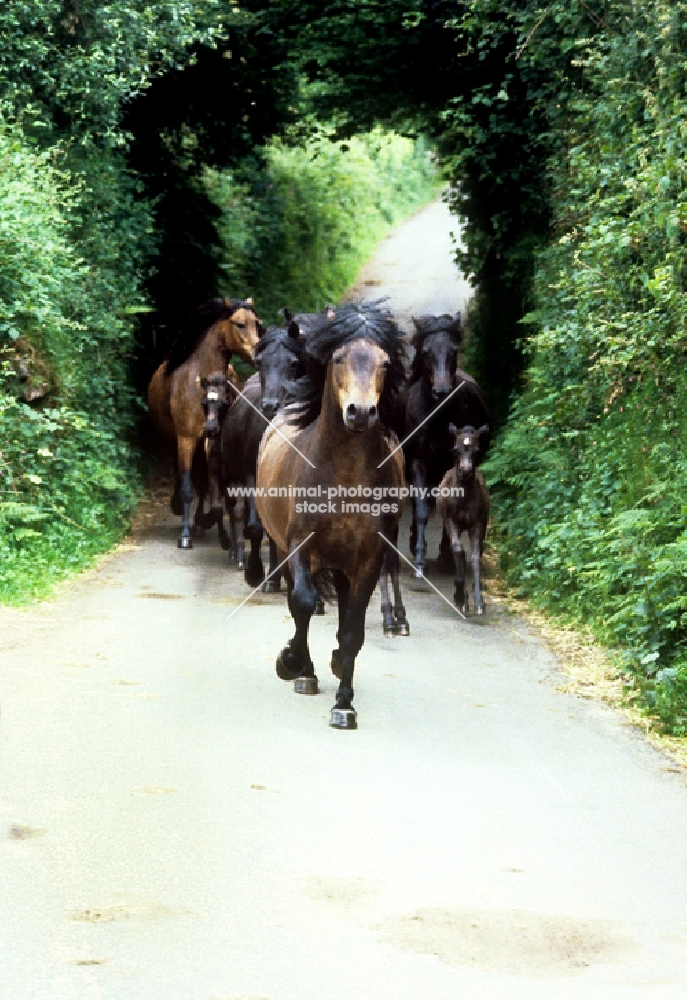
(469, 512)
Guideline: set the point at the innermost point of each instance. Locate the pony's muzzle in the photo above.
(269, 408)
(359, 418)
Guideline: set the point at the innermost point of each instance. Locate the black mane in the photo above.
(281, 335)
(196, 325)
(425, 326)
(353, 321)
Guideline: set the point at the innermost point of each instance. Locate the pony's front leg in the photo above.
(343, 592)
(394, 621)
(418, 478)
(477, 542)
(186, 447)
(253, 532)
(213, 461)
(294, 661)
(351, 638)
(460, 598)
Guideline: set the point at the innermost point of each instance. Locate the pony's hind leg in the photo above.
(199, 478)
(477, 542)
(273, 582)
(294, 661)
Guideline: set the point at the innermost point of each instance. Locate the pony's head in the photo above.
(358, 353)
(215, 402)
(466, 448)
(239, 328)
(232, 322)
(436, 342)
(279, 358)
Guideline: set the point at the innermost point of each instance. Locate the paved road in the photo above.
(177, 824)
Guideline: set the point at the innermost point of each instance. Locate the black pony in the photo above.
(440, 394)
(280, 359)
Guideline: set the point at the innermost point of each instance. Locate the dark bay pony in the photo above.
(433, 403)
(337, 437)
(279, 358)
(211, 334)
(467, 513)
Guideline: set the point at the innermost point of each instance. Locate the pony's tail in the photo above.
(324, 581)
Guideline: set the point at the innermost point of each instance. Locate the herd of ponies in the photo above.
(332, 412)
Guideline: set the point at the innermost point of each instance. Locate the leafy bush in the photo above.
(297, 232)
(67, 475)
(591, 474)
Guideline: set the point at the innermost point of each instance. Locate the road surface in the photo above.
(177, 824)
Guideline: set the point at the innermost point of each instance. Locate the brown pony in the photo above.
(333, 437)
(211, 334)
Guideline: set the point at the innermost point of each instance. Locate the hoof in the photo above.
(290, 666)
(402, 628)
(419, 572)
(271, 586)
(480, 609)
(336, 664)
(389, 631)
(319, 607)
(306, 685)
(226, 545)
(254, 575)
(282, 668)
(343, 718)
(185, 543)
(240, 562)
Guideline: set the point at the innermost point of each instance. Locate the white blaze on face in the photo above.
(466, 442)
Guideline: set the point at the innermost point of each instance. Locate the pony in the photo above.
(469, 512)
(332, 440)
(433, 402)
(210, 335)
(216, 401)
(279, 358)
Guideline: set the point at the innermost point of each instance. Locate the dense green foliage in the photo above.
(297, 232)
(66, 470)
(591, 475)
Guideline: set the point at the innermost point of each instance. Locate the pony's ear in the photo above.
(452, 429)
(249, 301)
(287, 314)
(294, 330)
(484, 429)
(331, 313)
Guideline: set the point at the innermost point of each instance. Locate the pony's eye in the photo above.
(241, 326)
